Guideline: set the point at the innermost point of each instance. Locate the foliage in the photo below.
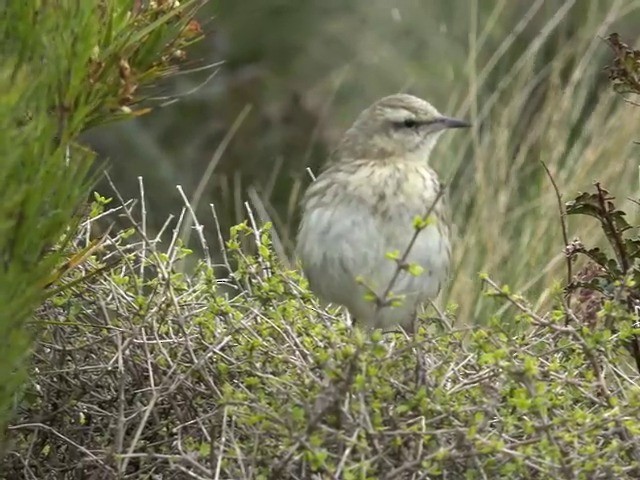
(611, 278)
(624, 72)
(65, 66)
(606, 288)
(236, 372)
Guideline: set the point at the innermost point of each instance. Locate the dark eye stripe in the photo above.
(413, 123)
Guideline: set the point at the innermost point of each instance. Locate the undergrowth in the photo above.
(235, 371)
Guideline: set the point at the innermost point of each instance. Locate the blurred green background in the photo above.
(529, 74)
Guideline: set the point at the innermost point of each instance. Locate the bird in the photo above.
(374, 234)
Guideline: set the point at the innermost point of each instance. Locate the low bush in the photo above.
(235, 371)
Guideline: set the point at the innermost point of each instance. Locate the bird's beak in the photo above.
(448, 122)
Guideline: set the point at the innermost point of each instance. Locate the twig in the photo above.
(565, 234)
(589, 354)
(402, 261)
(66, 439)
(198, 227)
(563, 223)
(618, 243)
(143, 226)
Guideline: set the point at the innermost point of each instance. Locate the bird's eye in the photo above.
(410, 123)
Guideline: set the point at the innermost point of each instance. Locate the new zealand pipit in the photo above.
(363, 212)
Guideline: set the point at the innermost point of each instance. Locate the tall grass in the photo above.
(532, 81)
(553, 109)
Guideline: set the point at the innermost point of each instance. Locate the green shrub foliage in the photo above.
(235, 371)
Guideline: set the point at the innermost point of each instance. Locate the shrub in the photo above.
(235, 371)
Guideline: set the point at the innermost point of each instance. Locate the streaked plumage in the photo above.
(363, 205)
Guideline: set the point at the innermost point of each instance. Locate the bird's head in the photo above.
(401, 127)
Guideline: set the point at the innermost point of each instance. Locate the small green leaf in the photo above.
(415, 269)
